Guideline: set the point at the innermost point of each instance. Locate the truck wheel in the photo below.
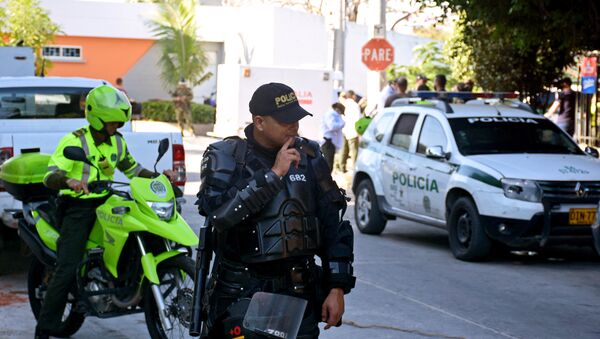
(468, 240)
(369, 218)
(177, 286)
(37, 280)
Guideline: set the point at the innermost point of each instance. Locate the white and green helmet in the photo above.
(106, 104)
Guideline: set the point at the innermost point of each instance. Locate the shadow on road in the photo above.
(436, 239)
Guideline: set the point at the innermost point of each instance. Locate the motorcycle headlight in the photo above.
(163, 210)
(526, 190)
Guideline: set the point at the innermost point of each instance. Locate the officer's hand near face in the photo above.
(333, 307)
(285, 158)
(78, 186)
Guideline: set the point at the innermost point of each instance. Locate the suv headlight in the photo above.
(520, 189)
(163, 210)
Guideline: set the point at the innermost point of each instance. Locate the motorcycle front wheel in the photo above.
(176, 277)
(38, 279)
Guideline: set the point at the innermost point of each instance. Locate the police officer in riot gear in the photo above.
(273, 206)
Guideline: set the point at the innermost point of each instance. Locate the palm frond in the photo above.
(182, 54)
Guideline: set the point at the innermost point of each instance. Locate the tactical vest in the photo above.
(287, 226)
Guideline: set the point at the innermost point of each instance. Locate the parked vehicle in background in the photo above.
(487, 173)
(36, 112)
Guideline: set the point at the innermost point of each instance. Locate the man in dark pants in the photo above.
(273, 205)
(107, 109)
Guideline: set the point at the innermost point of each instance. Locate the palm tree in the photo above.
(183, 61)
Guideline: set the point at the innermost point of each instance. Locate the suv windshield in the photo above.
(493, 135)
(42, 103)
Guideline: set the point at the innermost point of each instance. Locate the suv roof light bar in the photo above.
(440, 104)
(464, 95)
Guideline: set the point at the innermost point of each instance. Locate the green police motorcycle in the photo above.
(138, 256)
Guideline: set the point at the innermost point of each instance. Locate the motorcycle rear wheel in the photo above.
(39, 277)
(176, 276)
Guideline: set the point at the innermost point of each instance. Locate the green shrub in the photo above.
(203, 114)
(164, 110)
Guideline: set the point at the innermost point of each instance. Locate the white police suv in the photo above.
(485, 172)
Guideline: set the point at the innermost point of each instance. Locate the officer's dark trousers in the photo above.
(78, 220)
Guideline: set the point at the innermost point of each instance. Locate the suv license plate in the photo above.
(582, 216)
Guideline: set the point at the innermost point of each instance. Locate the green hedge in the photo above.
(163, 110)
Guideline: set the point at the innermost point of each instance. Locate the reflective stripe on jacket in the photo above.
(113, 154)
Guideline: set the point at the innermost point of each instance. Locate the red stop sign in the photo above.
(377, 54)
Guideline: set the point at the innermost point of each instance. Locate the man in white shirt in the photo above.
(390, 89)
(350, 147)
(332, 132)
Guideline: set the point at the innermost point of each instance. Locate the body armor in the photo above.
(287, 226)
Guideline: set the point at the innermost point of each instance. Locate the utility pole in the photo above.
(337, 11)
(376, 26)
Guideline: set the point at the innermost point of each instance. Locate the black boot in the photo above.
(41, 334)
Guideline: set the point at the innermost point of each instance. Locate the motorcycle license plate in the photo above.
(582, 216)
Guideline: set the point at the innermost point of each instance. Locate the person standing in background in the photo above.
(402, 87)
(119, 86)
(565, 104)
(390, 89)
(332, 133)
(422, 83)
(349, 149)
(439, 83)
(183, 107)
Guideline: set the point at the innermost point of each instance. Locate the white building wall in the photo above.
(300, 39)
(272, 36)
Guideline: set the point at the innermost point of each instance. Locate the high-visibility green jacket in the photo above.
(112, 154)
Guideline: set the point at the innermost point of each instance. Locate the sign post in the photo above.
(377, 28)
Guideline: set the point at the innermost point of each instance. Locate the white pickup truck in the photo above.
(36, 112)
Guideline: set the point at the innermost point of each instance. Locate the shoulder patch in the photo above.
(227, 145)
(79, 132)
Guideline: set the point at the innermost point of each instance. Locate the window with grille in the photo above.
(62, 53)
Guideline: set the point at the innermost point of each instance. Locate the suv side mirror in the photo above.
(591, 151)
(436, 152)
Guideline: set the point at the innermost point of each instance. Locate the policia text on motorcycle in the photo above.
(107, 109)
(273, 205)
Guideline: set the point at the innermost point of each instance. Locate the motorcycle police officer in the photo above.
(273, 205)
(106, 109)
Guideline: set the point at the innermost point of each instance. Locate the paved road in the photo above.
(409, 286)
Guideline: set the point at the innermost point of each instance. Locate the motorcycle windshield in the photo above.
(275, 315)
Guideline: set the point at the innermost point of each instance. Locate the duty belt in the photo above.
(295, 277)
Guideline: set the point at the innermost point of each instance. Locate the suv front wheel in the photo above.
(468, 240)
(369, 218)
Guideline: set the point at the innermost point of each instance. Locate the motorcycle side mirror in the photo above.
(163, 146)
(76, 153)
